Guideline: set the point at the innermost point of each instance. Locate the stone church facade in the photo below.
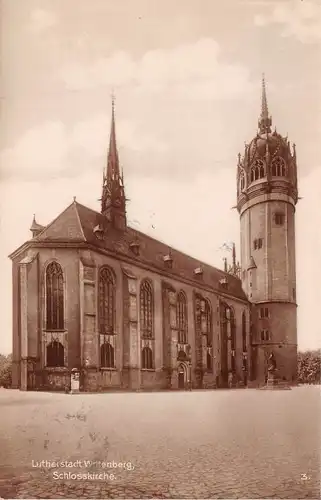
(131, 313)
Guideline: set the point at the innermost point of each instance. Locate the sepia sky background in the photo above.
(187, 78)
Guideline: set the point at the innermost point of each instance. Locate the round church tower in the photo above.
(266, 197)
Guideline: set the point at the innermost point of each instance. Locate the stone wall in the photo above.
(80, 336)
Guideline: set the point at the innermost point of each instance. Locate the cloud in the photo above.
(166, 141)
(193, 71)
(299, 19)
(41, 20)
(53, 150)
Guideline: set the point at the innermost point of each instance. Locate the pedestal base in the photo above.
(273, 383)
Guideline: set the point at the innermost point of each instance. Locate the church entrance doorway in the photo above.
(181, 376)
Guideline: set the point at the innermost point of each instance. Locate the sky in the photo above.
(186, 76)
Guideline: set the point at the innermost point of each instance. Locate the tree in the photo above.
(309, 367)
(5, 371)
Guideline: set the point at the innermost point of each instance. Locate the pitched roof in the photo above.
(66, 226)
(77, 224)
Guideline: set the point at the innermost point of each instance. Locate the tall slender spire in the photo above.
(113, 196)
(265, 120)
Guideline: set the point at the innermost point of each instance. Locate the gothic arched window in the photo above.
(54, 297)
(106, 301)
(209, 362)
(107, 355)
(182, 318)
(208, 323)
(278, 167)
(147, 358)
(55, 354)
(233, 337)
(242, 180)
(257, 170)
(146, 309)
(244, 331)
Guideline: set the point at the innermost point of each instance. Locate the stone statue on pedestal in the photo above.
(272, 363)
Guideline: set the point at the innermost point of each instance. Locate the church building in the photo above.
(132, 313)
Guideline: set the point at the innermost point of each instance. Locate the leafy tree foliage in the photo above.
(5, 370)
(309, 367)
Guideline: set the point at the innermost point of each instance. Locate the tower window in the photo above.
(258, 243)
(257, 170)
(278, 167)
(242, 181)
(279, 219)
(265, 335)
(294, 293)
(264, 312)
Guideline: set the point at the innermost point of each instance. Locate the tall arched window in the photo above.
(106, 300)
(208, 323)
(257, 170)
(278, 167)
(244, 332)
(147, 358)
(182, 318)
(224, 342)
(233, 337)
(107, 355)
(55, 354)
(207, 329)
(209, 362)
(242, 180)
(54, 297)
(146, 310)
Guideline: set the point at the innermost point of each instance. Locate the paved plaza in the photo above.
(202, 444)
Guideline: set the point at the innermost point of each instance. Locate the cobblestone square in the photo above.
(202, 444)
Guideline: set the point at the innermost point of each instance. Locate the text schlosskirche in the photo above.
(81, 464)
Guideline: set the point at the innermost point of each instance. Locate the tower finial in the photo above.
(233, 257)
(264, 110)
(113, 101)
(265, 120)
(225, 264)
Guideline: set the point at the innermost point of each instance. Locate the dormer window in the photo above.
(98, 232)
(168, 261)
(134, 246)
(223, 283)
(198, 271)
(258, 243)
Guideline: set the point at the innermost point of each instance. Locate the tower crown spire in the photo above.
(265, 120)
(113, 196)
